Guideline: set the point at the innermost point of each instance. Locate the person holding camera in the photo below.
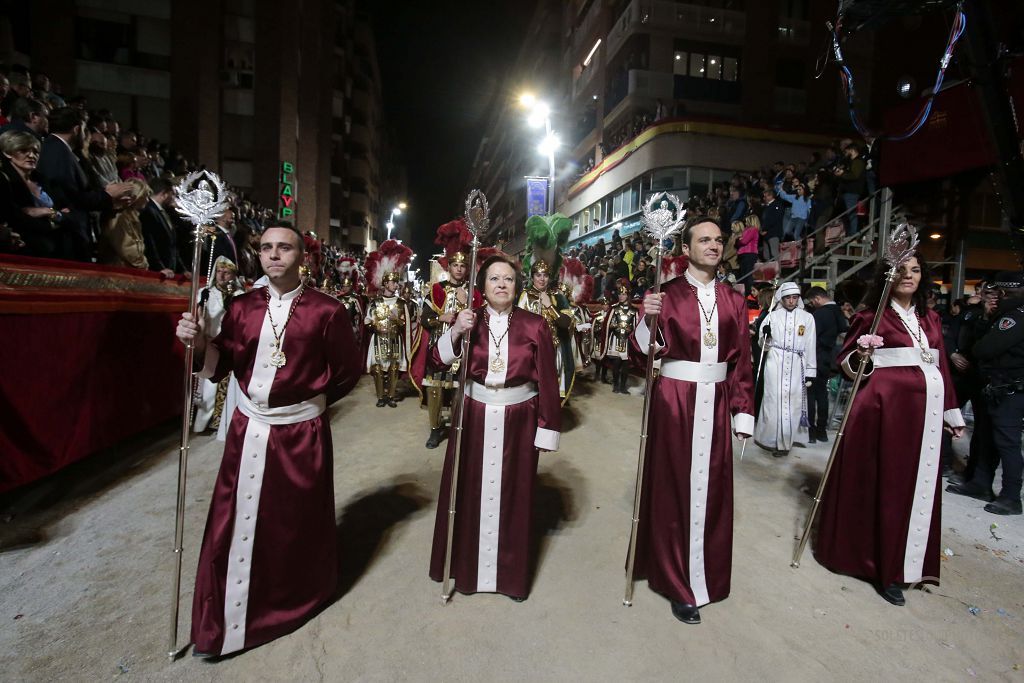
(852, 183)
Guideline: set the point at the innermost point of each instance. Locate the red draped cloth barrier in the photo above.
(89, 357)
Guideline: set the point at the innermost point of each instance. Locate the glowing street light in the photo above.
(395, 211)
(540, 115)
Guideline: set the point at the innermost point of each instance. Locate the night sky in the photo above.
(441, 65)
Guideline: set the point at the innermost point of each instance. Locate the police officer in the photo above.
(1000, 356)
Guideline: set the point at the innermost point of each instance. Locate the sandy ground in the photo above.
(85, 566)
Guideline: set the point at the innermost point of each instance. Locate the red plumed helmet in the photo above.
(672, 267)
(389, 261)
(578, 283)
(455, 237)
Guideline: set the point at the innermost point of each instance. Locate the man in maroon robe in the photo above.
(268, 560)
(684, 538)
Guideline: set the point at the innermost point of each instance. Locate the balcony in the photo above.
(636, 85)
(581, 85)
(679, 19)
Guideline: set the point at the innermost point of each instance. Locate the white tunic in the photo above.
(790, 361)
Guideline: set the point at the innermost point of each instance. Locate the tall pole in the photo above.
(901, 247)
(477, 222)
(660, 223)
(201, 204)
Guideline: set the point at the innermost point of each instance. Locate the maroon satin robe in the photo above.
(491, 543)
(684, 539)
(292, 557)
(888, 462)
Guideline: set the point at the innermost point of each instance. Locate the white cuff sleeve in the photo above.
(446, 348)
(811, 373)
(643, 337)
(954, 418)
(743, 423)
(210, 362)
(546, 439)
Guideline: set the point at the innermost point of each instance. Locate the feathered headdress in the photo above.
(580, 284)
(389, 261)
(545, 237)
(348, 270)
(672, 267)
(455, 237)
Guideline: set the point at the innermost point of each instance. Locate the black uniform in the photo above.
(1000, 354)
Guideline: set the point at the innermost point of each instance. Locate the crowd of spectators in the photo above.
(77, 185)
(762, 214)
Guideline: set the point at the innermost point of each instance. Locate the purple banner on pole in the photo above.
(536, 196)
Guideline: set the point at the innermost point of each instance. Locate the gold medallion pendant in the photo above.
(277, 358)
(710, 340)
(498, 364)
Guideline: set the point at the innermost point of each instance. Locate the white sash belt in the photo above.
(688, 371)
(283, 415)
(501, 396)
(901, 357)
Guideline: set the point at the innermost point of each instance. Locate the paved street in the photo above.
(85, 573)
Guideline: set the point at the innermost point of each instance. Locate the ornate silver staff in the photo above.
(658, 223)
(901, 247)
(201, 198)
(477, 221)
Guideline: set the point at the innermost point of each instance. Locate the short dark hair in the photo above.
(481, 275)
(287, 225)
(64, 119)
(24, 107)
(160, 185)
(816, 291)
(691, 223)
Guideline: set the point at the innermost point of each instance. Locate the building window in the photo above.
(679, 65)
(714, 67)
(696, 65)
(730, 69)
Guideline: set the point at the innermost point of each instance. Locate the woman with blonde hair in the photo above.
(122, 243)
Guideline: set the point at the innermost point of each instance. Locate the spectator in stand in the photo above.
(41, 85)
(822, 190)
(122, 243)
(628, 256)
(746, 250)
(852, 183)
(800, 209)
(223, 242)
(68, 183)
(25, 206)
(30, 116)
(736, 208)
(731, 255)
(127, 142)
(771, 224)
(100, 163)
(158, 231)
(127, 167)
(19, 88)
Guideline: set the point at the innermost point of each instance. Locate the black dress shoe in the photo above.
(435, 437)
(823, 435)
(955, 478)
(972, 490)
(201, 655)
(1004, 506)
(381, 402)
(391, 402)
(779, 454)
(515, 599)
(688, 614)
(892, 594)
(813, 438)
(947, 472)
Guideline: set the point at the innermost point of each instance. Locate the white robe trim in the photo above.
(700, 453)
(250, 479)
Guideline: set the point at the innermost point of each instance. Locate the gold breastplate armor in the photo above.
(452, 303)
(621, 321)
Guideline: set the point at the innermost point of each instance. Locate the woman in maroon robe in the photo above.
(880, 512)
(512, 412)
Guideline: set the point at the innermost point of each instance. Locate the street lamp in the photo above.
(540, 115)
(395, 211)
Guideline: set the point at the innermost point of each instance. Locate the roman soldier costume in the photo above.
(388, 321)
